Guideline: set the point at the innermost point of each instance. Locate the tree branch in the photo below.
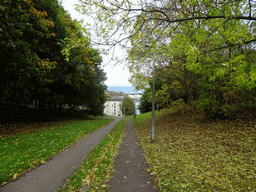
(232, 45)
(207, 18)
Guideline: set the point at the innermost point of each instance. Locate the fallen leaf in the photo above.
(42, 161)
(15, 175)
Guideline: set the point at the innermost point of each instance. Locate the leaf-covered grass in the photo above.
(97, 168)
(23, 151)
(193, 154)
(29, 121)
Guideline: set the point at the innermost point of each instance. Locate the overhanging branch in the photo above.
(232, 45)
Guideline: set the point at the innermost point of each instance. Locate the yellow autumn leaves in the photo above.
(191, 153)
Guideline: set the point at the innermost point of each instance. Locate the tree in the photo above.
(36, 66)
(207, 58)
(118, 20)
(145, 104)
(22, 27)
(200, 44)
(127, 106)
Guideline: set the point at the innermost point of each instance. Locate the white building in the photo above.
(135, 96)
(112, 107)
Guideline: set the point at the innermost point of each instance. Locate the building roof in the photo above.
(115, 99)
(134, 93)
(121, 99)
(135, 99)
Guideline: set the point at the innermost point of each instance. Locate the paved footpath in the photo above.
(131, 167)
(53, 174)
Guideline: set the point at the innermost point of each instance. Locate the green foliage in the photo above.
(206, 62)
(178, 103)
(127, 106)
(23, 28)
(201, 47)
(145, 104)
(24, 151)
(36, 37)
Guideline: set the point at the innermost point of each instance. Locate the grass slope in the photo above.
(193, 154)
(25, 150)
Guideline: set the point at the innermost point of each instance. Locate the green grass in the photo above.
(193, 154)
(21, 152)
(28, 122)
(97, 168)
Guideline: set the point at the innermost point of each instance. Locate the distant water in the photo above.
(124, 89)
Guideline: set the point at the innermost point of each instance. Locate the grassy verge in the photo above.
(29, 122)
(193, 154)
(97, 168)
(23, 151)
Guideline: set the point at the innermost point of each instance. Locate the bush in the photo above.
(178, 103)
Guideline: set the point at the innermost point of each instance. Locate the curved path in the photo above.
(53, 174)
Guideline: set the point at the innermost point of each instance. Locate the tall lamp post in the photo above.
(153, 106)
(153, 103)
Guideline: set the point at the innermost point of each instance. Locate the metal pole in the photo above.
(153, 105)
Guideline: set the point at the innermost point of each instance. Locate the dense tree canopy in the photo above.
(204, 49)
(35, 65)
(155, 21)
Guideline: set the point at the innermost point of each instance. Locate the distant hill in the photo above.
(112, 94)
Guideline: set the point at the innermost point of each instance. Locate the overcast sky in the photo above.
(117, 75)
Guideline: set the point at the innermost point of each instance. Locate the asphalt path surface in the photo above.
(51, 176)
(131, 167)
